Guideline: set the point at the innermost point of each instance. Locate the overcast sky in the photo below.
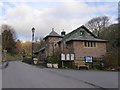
(22, 15)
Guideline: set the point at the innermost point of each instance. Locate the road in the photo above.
(22, 75)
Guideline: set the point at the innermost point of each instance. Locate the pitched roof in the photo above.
(53, 34)
(69, 36)
(74, 31)
(86, 39)
(39, 50)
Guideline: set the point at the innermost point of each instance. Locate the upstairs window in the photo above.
(81, 33)
(94, 44)
(85, 44)
(90, 44)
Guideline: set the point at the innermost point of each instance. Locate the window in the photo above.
(81, 33)
(94, 43)
(90, 44)
(85, 43)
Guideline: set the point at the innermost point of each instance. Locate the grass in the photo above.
(12, 57)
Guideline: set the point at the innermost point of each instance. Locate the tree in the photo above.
(112, 35)
(42, 42)
(39, 44)
(97, 24)
(27, 47)
(18, 47)
(36, 47)
(8, 39)
(36, 44)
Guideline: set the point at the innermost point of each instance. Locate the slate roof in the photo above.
(86, 39)
(71, 37)
(39, 50)
(53, 34)
(74, 31)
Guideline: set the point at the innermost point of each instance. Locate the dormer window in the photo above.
(81, 33)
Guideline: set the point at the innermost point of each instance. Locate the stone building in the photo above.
(51, 43)
(50, 47)
(77, 48)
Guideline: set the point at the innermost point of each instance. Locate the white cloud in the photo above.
(1, 4)
(83, 8)
(68, 16)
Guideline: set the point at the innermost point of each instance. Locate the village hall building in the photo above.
(77, 48)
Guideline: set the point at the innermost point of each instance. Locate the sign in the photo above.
(62, 56)
(72, 56)
(5, 51)
(67, 56)
(88, 59)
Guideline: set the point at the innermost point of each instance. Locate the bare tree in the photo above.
(42, 42)
(97, 24)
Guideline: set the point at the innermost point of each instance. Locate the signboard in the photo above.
(88, 59)
(5, 51)
(62, 56)
(72, 56)
(67, 56)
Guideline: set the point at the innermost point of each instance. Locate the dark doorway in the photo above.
(68, 64)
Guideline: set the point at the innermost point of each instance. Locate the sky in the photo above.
(44, 15)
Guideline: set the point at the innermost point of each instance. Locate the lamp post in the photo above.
(33, 30)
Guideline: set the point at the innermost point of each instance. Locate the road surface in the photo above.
(22, 75)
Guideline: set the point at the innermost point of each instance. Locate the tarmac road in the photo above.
(22, 75)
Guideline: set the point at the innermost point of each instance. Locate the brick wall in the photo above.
(81, 51)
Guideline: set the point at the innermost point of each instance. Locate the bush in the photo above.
(53, 60)
(27, 60)
(111, 60)
(10, 57)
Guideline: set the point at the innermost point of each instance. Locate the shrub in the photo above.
(53, 60)
(111, 60)
(27, 60)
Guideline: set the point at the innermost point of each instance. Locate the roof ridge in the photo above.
(53, 33)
